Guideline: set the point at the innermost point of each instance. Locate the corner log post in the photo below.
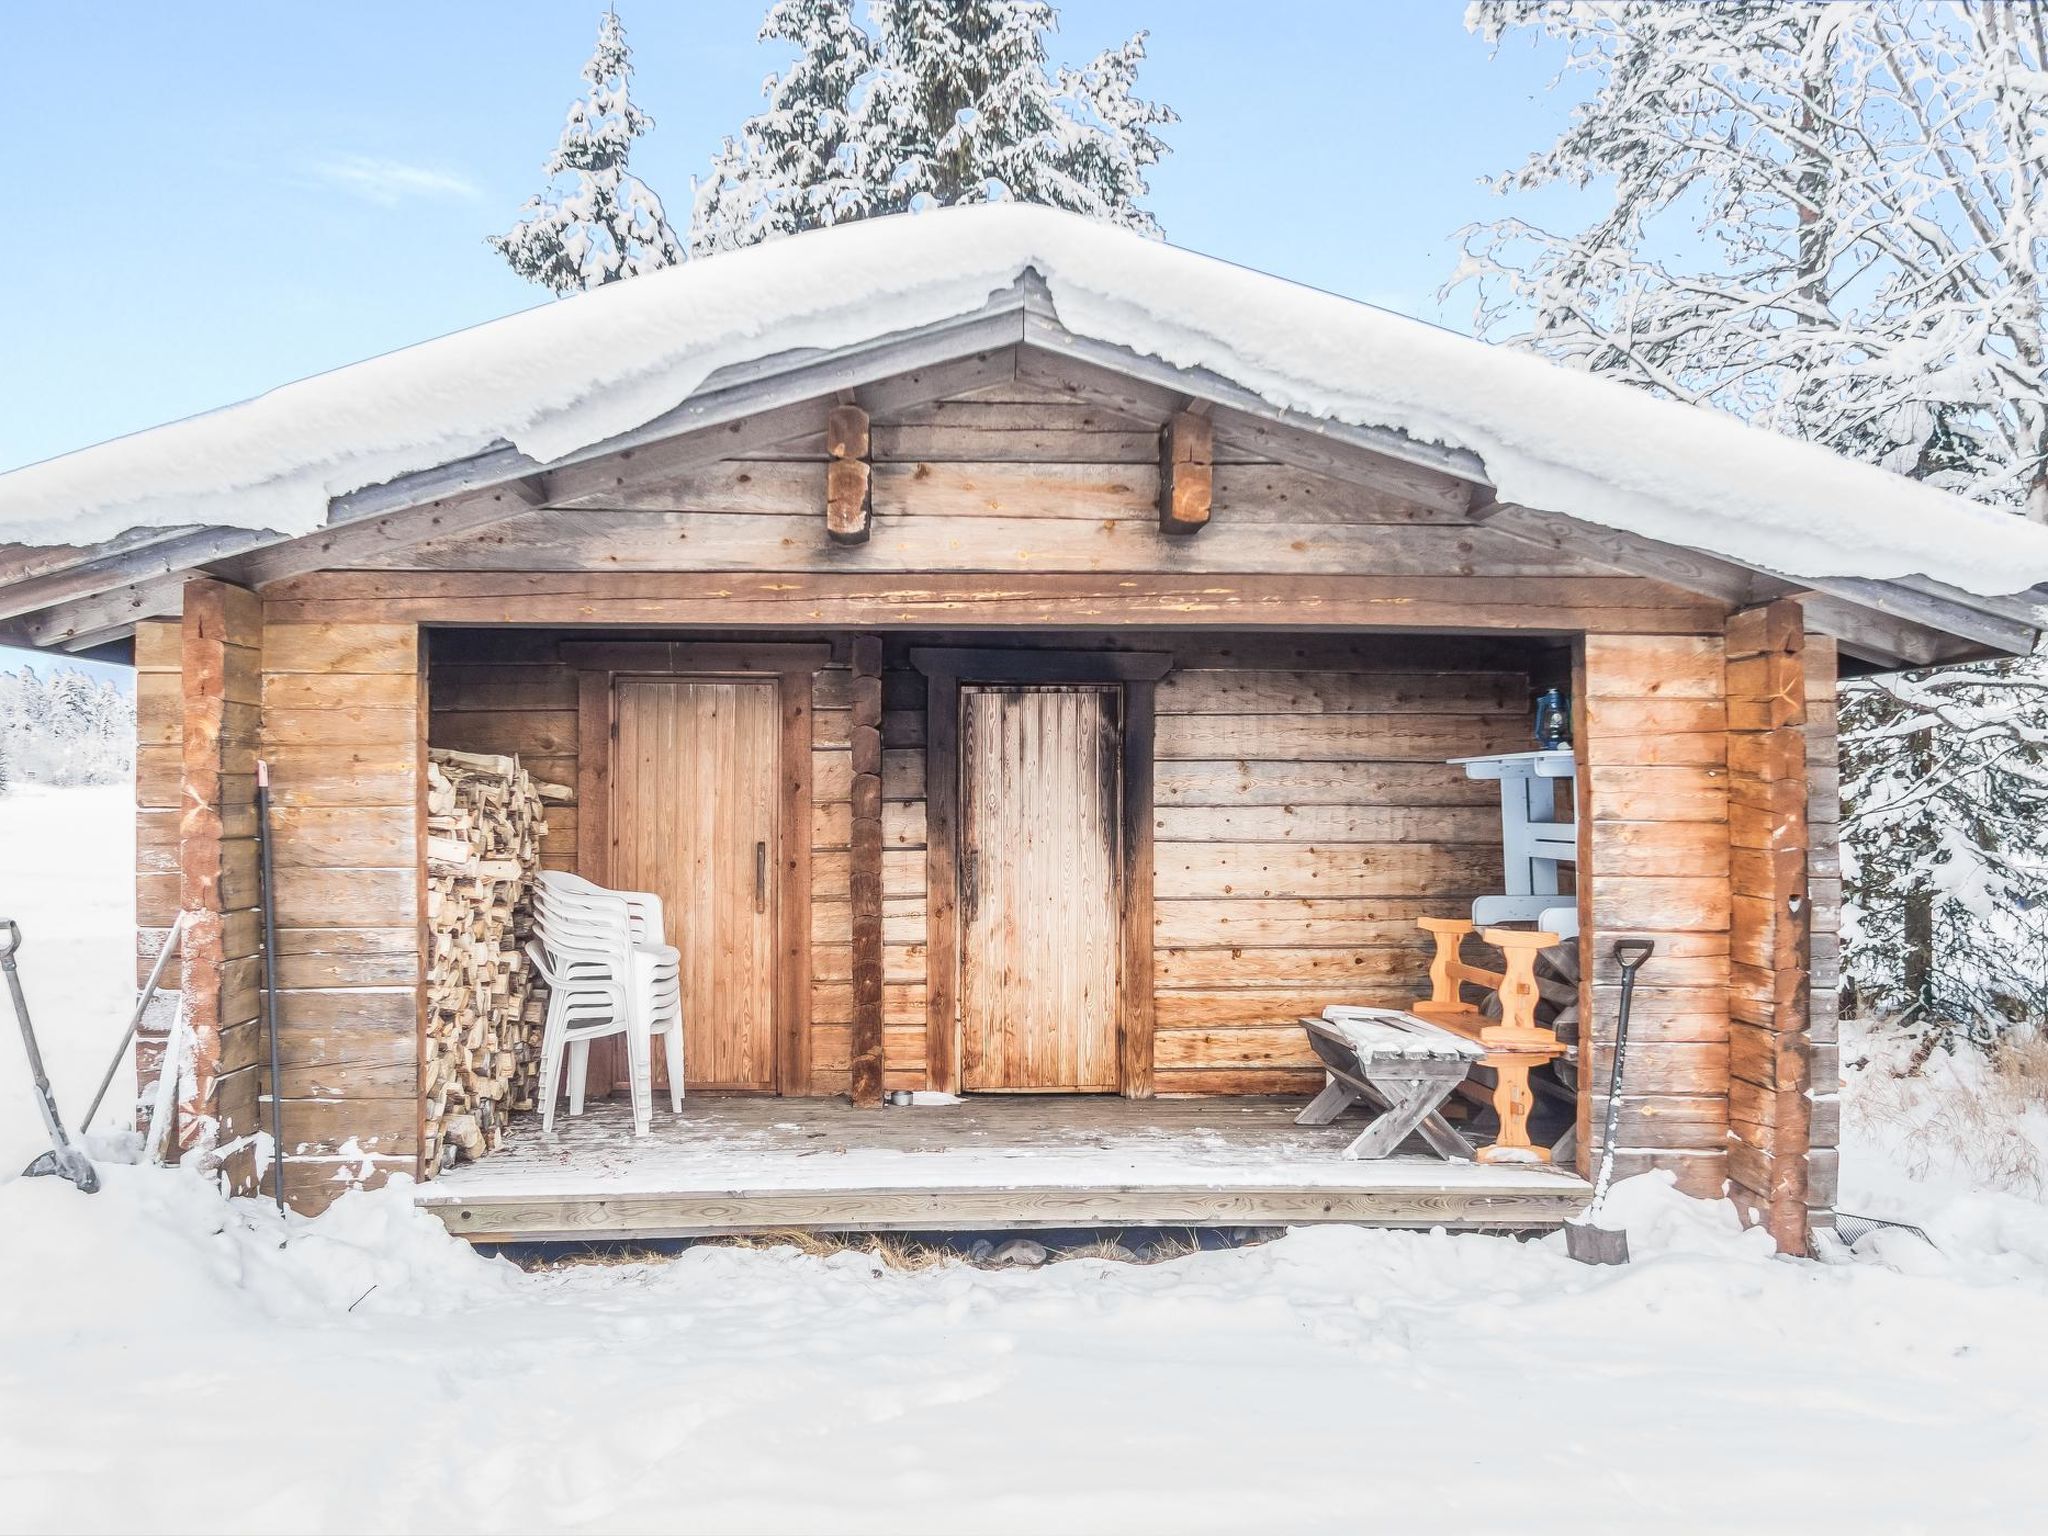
(865, 879)
(220, 960)
(1187, 472)
(1769, 1044)
(849, 478)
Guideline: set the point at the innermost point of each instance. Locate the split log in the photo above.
(485, 820)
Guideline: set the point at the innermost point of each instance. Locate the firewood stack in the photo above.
(485, 820)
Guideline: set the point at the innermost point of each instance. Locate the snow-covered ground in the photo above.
(166, 1361)
(67, 875)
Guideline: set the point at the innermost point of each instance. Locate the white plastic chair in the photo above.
(643, 906)
(601, 982)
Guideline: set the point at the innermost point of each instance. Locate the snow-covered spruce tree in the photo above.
(798, 164)
(595, 222)
(936, 102)
(1833, 221)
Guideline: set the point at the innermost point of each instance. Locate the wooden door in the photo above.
(1039, 903)
(693, 819)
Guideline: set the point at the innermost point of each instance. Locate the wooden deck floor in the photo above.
(757, 1164)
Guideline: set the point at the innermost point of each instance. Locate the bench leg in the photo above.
(1326, 1106)
(1512, 1101)
(1409, 1100)
(1443, 1137)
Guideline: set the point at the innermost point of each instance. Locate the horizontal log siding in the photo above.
(1305, 817)
(220, 971)
(1653, 854)
(344, 730)
(1824, 896)
(903, 880)
(159, 773)
(512, 694)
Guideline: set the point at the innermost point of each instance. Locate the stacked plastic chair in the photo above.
(608, 972)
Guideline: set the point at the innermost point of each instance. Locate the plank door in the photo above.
(1040, 931)
(693, 819)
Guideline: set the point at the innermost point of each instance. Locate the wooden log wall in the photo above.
(344, 731)
(220, 959)
(1772, 1055)
(1654, 862)
(196, 704)
(510, 693)
(159, 788)
(903, 878)
(1824, 937)
(1305, 817)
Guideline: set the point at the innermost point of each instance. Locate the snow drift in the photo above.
(558, 379)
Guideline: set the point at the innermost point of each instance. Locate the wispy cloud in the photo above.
(388, 183)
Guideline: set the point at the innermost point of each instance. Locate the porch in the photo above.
(734, 1163)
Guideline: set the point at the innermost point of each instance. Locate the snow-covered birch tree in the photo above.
(595, 221)
(1832, 220)
(931, 103)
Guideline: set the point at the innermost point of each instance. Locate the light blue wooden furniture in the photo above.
(1535, 842)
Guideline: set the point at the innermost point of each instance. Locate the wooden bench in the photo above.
(1514, 1044)
(1398, 1064)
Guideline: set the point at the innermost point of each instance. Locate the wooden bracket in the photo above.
(1187, 474)
(849, 488)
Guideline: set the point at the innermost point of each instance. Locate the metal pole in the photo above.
(156, 975)
(270, 978)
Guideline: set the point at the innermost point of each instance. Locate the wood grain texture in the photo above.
(219, 961)
(864, 886)
(725, 1168)
(1653, 862)
(693, 819)
(1039, 870)
(346, 745)
(1770, 1046)
(1311, 598)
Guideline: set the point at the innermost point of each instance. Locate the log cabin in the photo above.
(1035, 666)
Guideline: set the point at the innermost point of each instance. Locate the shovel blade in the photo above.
(70, 1166)
(1595, 1245)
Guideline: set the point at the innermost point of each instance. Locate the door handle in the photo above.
(760, 877)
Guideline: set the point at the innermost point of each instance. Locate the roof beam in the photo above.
(1934, 615)
(353, 543)
(1284, 442)
(126, 566)
(1048, 335)
(1729, 580)
(752, 414)
(1187, 472)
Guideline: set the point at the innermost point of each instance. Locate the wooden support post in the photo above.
(865, 880)
(1769, 1111)
(1137, 1012)
(849, 493)
(1186, 473)
(345, 736)
(220, 961)
(159, 789)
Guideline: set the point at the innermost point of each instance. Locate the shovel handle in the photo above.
(10, 939)
(1630, 954)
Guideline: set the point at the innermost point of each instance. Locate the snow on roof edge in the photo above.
(564, 376)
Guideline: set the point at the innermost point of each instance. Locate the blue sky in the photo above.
(224, 197)
(220, 198)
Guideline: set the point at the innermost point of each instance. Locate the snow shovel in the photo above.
(1585, 1239)
(63, 1159)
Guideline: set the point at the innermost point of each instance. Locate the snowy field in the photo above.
(167, 1362)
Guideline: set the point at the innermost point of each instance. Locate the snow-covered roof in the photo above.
(559, 378)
